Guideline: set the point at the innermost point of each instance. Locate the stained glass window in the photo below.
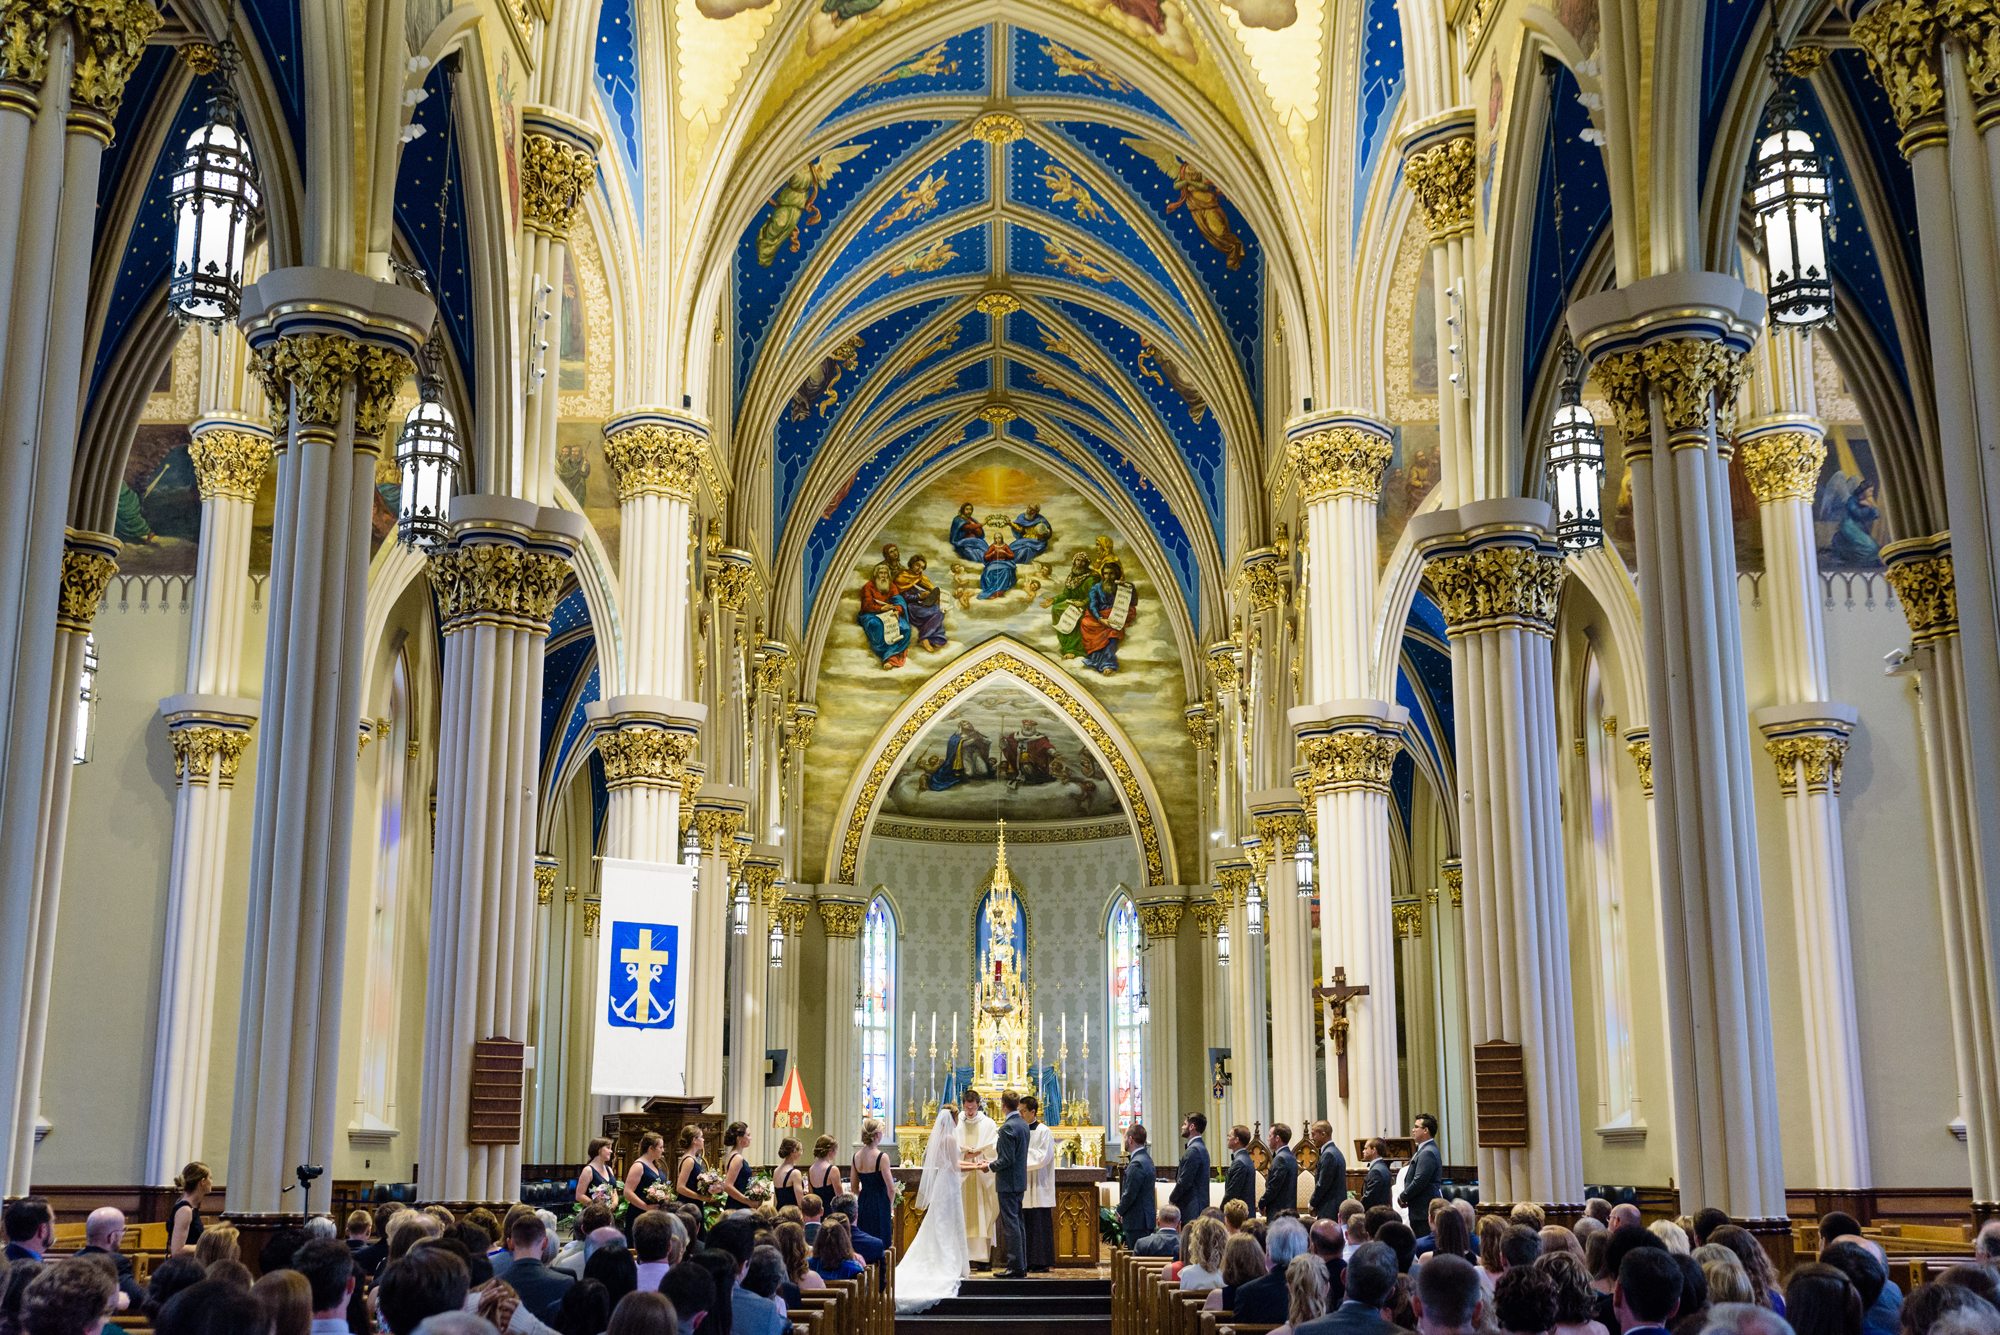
(878, 1033)
(1126, 943)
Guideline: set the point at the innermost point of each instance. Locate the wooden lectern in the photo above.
(666, 1114)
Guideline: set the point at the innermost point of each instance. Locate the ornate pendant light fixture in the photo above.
(1253, 910)
(1792, 195)
(777, 946)
(1576, 460)
(214, 204)
(1302, 865)
(429, 459)
(1222, 944)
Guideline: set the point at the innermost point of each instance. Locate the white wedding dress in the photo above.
(938, 1259)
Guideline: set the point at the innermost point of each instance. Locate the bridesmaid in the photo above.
(184, 1228)
(736, 1167)
(645, 1172)
(788, 1182)
(874, 1185)
(596, 1173)
(824, 1175)
(687, 1177)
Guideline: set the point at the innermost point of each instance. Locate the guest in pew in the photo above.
(586, 1309)
(1492, 1232)
(1371, 1279)
(287, 1299)
(1648, 1291)
(1706, 1221)
(658, 1243)
(320, 1226)
(1728, 1283)
(614, 1268)
(1576, 1300)
(168, 1278)
(70, 1297)
(103, 1231)
(865, 1244)
(1987, 1246)
(31, 1229)
(1519, 1246)
(644, 1314)
(811, 1210)
(329, 1272)
(1281, 1180)
(750, 1311)
(1621, 1243)
(1556, 1238)
(1524, 1301)
(1597, 1208)
(233, 1273)
(1881, 1302)
(1692, 1314)
(15, 1277)
(1306, 1289)
(1396, 1234)
(1625, 1215)
(1330, 1176)
(1164, 1240)
(184, 1222)
(1328, 1241)
(833, 1255)
(1587, 1228)
(359, 1224)
(721, 1267)
(1755, 1264)
(574, 1253)
(691, 1289)
(373, 1253)
(1205, 1244)
(1451, 1237)
(792, 1245)
(276, 1254)
(1821, 1300)
(1242, 1262)
(218, 1244)
(1266, 1300)
(763, 1282)
(541, 1288)
(1978, 1278)
(1937, 1308)
(1136, 1195)
(1667, 1231)
(426, 1281)
(1235, 1214)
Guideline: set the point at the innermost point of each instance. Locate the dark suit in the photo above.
(1136, 1197)
(866, 1245)
(1350, 1318)
(127, 1285)
(1264, 1300)
(1190, 1194)
(1010, 1181)
(1378, 1185)
(1329, 1182)
(16, 1252)
(1166, 1242)
(1421, 1187)
(541, 1288)
(1281, 1189)
(368, 1259)
(1241, 1182)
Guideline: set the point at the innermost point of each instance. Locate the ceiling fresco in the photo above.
(1002, 753)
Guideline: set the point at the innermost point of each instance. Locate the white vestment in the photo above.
(1041, 1193)
(937, 1259)
(979, 1137)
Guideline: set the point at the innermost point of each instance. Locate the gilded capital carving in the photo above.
(1343, 461)
(317, 367)
(110, 37)
(1225, 664)
(1279, 831)
(762, 873)
(644, 757)
(229, 464)
(263, 368)
(1622, 377)
(1264, 578)
(801, 722)
(1340, 761)
(1232, 881)
(1976, 25)
(1454, 881)
(556, 177)
(842, 917)
(1901, 38)
(1445, 179)
(790, 917)
(1924, 585)
(1641, 751)
(24, 40)
(1409, 919)
(85, 573)
(496, 584)
(1686, 374)
(1783, 465)
(651, 459)
(1200, 726)
(732, 577)
(716, 827)
(1208, 916)
(545, 882)
(1161, 919)
(378, 380)
(592, 909)
(205, 754)
(1818, 758)
(1497, 587)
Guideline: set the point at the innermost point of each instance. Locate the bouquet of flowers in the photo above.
(659, 1193)
(760, 1190)
(710, 1185)
(601, 1193)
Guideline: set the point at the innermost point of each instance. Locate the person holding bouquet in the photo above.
(824, 1175)
(595, 1182)
(788, 1183)
(643, 1178)
(736, 1171)
(693, 1183)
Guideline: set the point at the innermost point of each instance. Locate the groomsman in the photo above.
(1136, 1196)
(1421, 1187)
(1380, 1183)
(1281, 1180)
(1241, 1183)
(1190, 1194)
(1010, 1183)
(1330, 1176)
(1038, 1205)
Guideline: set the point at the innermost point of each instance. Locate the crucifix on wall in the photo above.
(1337, 995)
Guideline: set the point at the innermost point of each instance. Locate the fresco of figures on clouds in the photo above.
(997, 546)
(1002, 753)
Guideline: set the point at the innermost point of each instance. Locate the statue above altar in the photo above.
(1002, 993)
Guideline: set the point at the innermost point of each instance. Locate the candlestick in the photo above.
(933, 1029)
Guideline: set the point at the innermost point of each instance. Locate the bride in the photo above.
(938, 1259)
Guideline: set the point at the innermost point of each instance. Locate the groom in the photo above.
(1010, 1180)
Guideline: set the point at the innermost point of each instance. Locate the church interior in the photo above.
(1290, 560)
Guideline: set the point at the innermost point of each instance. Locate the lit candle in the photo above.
(1064, 1030)
(954, 1032)
(933, 1028)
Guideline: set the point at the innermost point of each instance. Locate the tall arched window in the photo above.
(878, 1032)
(1126, 941)
(1618, 1102)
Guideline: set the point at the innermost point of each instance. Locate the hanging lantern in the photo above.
(1253, 911)
(1222, 944)
(860, 1006)
(1793, 199)
(1576, 460)
(428, 457)
(739, 908)
(214, 205)
(1302, 865)
(1142, 1010)
(691, 853)
(777, 946)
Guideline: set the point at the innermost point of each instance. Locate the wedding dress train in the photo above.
(938, 1259)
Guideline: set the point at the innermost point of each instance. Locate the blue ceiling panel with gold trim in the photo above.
(965, 252)
(1152, 502)
(1037, 64)
(1053, 343)
(1048, 444)
(929, 388)
(1032, 381)
(959, 65)
(1034, 254)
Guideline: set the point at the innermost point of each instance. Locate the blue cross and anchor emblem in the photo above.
(643, 974)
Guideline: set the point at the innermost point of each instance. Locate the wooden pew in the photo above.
(1218, 1323)
(805, 1320)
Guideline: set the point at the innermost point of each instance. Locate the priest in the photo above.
(978, 1138)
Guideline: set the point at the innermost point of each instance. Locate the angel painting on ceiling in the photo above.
(792, 205)
(1198, 194)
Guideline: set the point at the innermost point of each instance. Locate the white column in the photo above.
(496, 584)
(1498, 575)
(1448, 953)
(1277, 815)
(1441, 165)
(59, 92)
(1668, 351)
(558, 172)
(749, 1007)
(842, 919)
(1161, 920)
(209, 726)
(334, 347)
(1419, 995)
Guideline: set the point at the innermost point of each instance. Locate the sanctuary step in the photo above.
(1033, 1306)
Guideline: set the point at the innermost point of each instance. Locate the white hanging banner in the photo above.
(646, 926)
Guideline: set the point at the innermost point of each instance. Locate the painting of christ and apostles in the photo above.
(1003, 752)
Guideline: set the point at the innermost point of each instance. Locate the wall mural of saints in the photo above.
(1003, 751)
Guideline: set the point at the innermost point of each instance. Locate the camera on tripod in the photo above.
(306, 1173)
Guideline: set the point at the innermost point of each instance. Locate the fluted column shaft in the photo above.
(1449, 955)
(1498, 577)
(333, 347)
(842, 919)
(1214, 989)
(209, 727)
(1672, 380)
(1161, 920)
(558, 172)
(749, 1000)
(1349, 743)
(60, 87)
(1440, 164)
(1288, 938)
(1250, 1091)
(1419, 994)
(496, 585)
